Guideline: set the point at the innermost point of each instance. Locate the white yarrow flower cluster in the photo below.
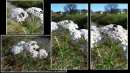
(95, 36)
(16, 49)
(36, 12)
(84, 32)
(68, 24)
(31, 47)
(42, 54)
(75, 34)
(54, 26)
(21, 43)
(114, 33)
(18, 14)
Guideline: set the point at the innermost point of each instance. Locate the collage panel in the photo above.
(28, 47)
(109, 36)
(25, 53)
(69, 36)
(24, 17)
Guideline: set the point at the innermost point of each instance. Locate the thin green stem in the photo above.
(98, 51)
(59, 46)
(22, 27)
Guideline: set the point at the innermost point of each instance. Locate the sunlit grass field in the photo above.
(105, 19)
(79, 19)
(27, 4)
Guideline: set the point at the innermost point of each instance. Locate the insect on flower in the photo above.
(114, 25)
(22, 14)
(69, 21)
(32, 44)
(41, 11)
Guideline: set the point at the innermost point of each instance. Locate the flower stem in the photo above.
(59, 46)
(22, 27)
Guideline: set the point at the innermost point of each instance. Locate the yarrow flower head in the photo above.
(54, 26)
(75, 34)
(115, 33)
(42, 54)
(84, 32)
(16, 49)
(67, 24)
(31, 47)
(34, 53)
(20, 43)
(18, 14)
(34, 11)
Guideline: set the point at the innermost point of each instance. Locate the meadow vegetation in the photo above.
(27, 4)
(67, 53)
(105, 19)
(119, 62)
(21, 62)
(79, 19)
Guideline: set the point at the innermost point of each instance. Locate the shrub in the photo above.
(27, 4)
(118, 19)
(81, 20)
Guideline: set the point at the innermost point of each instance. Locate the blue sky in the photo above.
(60, 7)
(94, 7)
(100, 7)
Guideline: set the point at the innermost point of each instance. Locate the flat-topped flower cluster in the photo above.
(115, 33)
(20, 15)
(31, 47)
(68, 24)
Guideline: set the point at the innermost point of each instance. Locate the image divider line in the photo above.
(89, 61)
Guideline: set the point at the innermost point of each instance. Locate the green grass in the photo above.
(80, 19)
(66, 53)
(118, 55)
(22, 61)
(118, 19)
(27, 4)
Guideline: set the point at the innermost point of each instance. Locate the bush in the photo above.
(80, 20)
(118, 19)
(27, 4)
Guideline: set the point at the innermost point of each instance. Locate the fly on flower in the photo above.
(114, 25)
(22, 14)
(69, 21)
(32, 44)
(41, 11)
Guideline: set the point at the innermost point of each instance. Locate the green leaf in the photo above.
(100, 66)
